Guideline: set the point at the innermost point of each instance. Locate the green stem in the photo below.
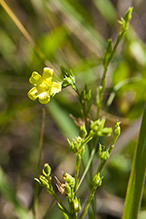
(78, 162)
(62, 205)
(102, 87)
(103, 162)
(87, 167)
(89, 138)
(72, 210)
(115, 47)
(103, 83)
(117, 87)
(38, 165)
(88, 203)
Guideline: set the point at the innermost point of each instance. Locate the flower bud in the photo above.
(116, 131)
(77, 205)
(75, 144)
(97, 128)
(47, 170)
(102, 153)
(82, 151)
(69, 179)
(44, 181)
(97, 180)
(71, 146)
(128, 15)
(67, 189)
(105, 132)
(86, 94)
(105, 155)
(107, 53)
(68, 78)
(99, 152)
(83, 131)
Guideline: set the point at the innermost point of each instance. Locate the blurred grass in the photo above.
(74, 34)
(9, 193)
(137, 176)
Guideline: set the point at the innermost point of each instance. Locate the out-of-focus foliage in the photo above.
(73, 34)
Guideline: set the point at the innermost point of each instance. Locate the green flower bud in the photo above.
(99, 91)
(97, 180)
(109, 46)
(69, 179)
(128, 15)
(47, 170)
(105, 132)
(102, 153)
(68, 81)
(105, 155)
(97, 128)
(99, 153)
(83, 131)
(68, 78)
(107, 53)
(116, 131)
(44, 181)
(95, 125)
(75, 145)
(67, 189)
(77, 205)
(82, 151)
(71, 146)
(86, 94)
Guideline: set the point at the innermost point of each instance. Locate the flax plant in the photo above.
(90, 132)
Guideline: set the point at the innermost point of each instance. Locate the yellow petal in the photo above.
(55, 88)
(33, 93)
(47, 74)
(44, 97)
(34, 78)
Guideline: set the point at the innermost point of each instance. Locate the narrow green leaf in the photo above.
(63, 120)
(50, 42)
(137, 176)
(70, 8)
(107, 10)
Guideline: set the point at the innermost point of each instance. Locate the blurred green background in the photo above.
(39, 33)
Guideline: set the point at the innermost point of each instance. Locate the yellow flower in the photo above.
(43, 86)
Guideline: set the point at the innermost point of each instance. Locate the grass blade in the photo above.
(137, 176)
(64, 122)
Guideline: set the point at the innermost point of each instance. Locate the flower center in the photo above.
(44, 86)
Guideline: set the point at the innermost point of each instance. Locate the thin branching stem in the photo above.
(38, 164)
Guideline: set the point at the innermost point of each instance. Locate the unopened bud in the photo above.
(77, 205)
(47, 170)
(106, 131)
(128, 15)
(116, 131)
(67, 189)
(44, 181)
(83, 131)
(69, 179)
(97, 180)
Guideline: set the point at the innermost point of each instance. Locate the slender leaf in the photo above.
(64, 122)
(106, 9)
(137, 177)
